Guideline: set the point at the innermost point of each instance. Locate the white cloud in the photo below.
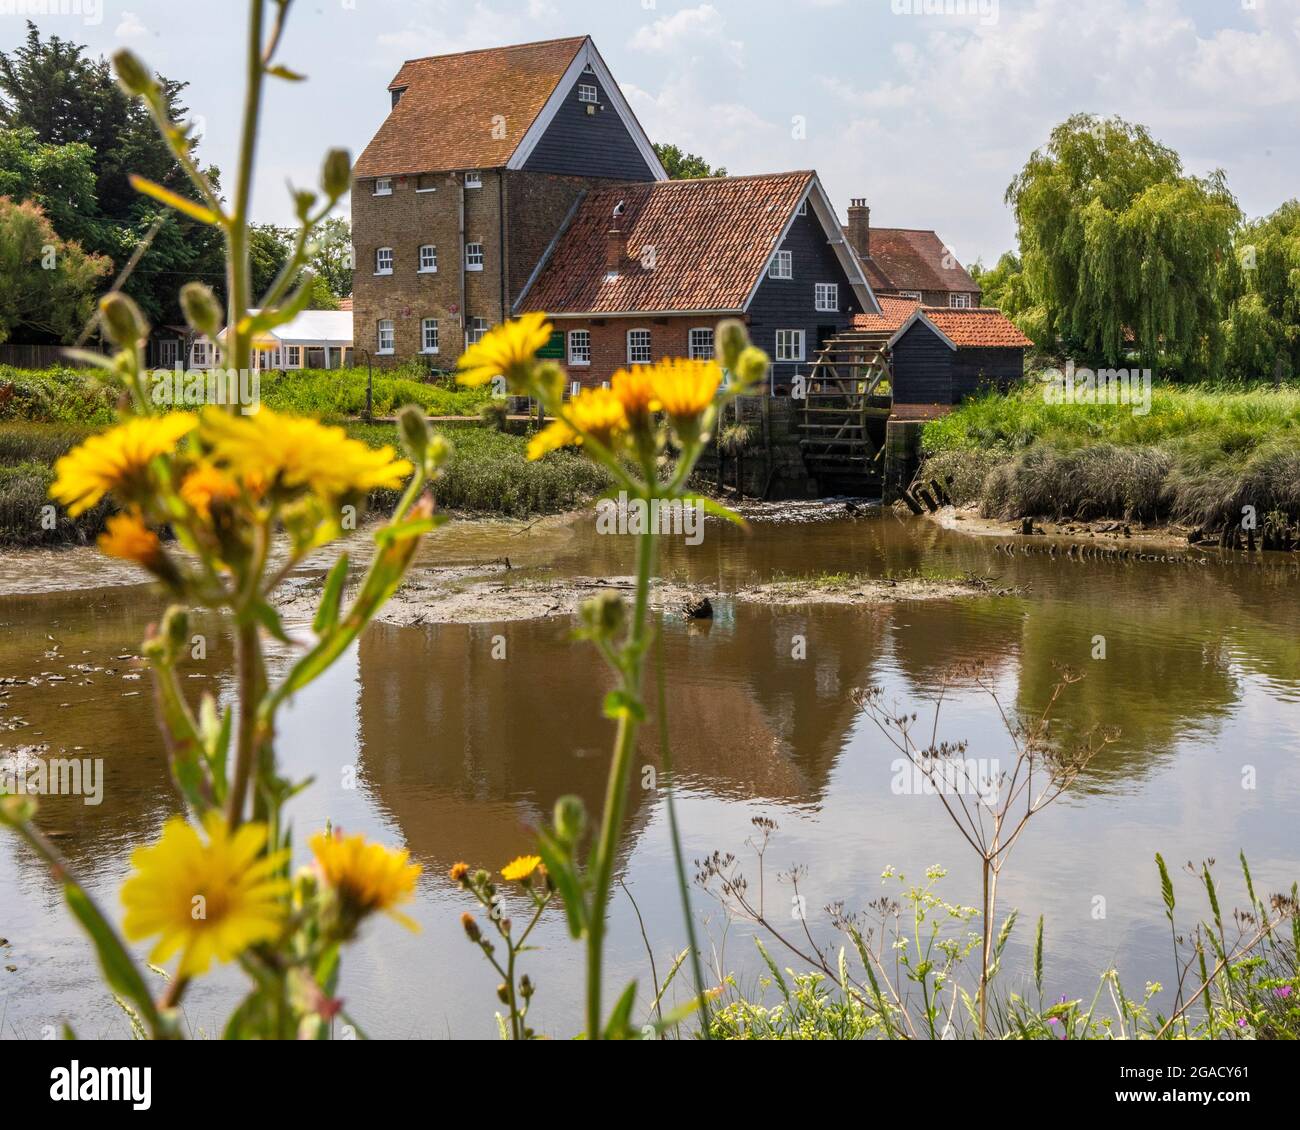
(688, 33)
(131, 27)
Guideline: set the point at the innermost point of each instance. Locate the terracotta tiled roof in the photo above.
(914, 259)
(978, 328)
(894, 312)
(711, 240)
(446, 117)
(345, 303)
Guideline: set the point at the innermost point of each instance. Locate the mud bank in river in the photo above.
(478, 595)
(1103, 534)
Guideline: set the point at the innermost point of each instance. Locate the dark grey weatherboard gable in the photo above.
(589, 139)
(819, 253)
(565, 139)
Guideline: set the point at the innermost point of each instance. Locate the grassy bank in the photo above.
(1197, 458)
(488, 474)
(75, 396)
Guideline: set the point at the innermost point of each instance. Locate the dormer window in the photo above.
(782, 265)
(473, 179)
(587, 92)
(383, 186)
(384, 261)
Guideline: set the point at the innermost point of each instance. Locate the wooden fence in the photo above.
(35, 356)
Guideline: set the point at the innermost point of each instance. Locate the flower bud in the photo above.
(751, 366)
(570, 819)
(132, 74)
(526, 988)
(336, 173)
(176, 628)
(549, 378)
(503, 993)
(438, 453)
(123, 323)
(202, 310)
(733, 338)
(472, 932)
(414, 429)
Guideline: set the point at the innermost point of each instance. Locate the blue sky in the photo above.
(927, 113)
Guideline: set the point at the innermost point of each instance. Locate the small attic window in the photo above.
(383, 186)
(473, 179)
(587, 92)
(803, 208)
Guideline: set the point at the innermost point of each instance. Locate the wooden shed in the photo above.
(943, 356)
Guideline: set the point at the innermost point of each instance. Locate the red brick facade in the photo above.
(669, 337)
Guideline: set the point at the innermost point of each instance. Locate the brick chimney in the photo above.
(860, 227)
(615, 251)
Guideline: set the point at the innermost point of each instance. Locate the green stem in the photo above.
(239, 276)
(616, 790)
(247, 661)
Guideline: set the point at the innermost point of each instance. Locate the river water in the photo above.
(419, 736)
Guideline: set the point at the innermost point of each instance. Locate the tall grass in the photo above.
(1200, 456)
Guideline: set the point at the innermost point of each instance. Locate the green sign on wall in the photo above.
(553, 350)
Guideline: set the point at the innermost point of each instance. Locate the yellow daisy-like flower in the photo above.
(599, 413)
(507, 351)
(551, 438)
(269, 450)
(205, 485)
(367, 876)
(635, 391)
(117, 460)
(128, 538)
(685, 388)
(517, 870)
(206, 900)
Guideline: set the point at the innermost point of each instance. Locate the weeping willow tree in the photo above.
(1118, 243)
(1262, 297)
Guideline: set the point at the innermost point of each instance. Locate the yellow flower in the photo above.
(599, 413)
(117, 460)
(206, 900)
(128, 538)
(506, 351)
(552, 437)
(685, 388)
(367, 876)
(205, 485)
(517, 870)
(635, 391)
(267, 449)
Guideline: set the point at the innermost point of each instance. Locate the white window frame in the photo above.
(588, 92)
(802, 210)
(169, 348)
(700, 352)
(386, 328)
(579, 347)
(826, 292)
(474, 179)
(425, 325)
(293, 356)
(791, 350)
(418, 189)
(959, 301)
(429, 268)
(913, 294)
(471, 255)
(380, 253)
(476, 330)
(201, 353)
(648, 347)
(383, 186)
(781, 266)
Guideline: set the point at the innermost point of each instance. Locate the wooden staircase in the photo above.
(844, 415)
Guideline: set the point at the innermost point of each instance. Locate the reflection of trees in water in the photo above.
(93, 713)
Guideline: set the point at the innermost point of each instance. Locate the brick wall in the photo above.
(536, 206)
(406, 220)
(669, 337)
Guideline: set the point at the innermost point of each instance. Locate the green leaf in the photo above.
(620, 704)
(120, 971)
(776, 973)
(267, 616)
(181, 204)
(327, 615)
(559, 865)
(619, 1026)
(1038, 956)
(281, 71)
(717, 510)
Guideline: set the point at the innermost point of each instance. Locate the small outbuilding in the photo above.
(944, 356)
(314, 339)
